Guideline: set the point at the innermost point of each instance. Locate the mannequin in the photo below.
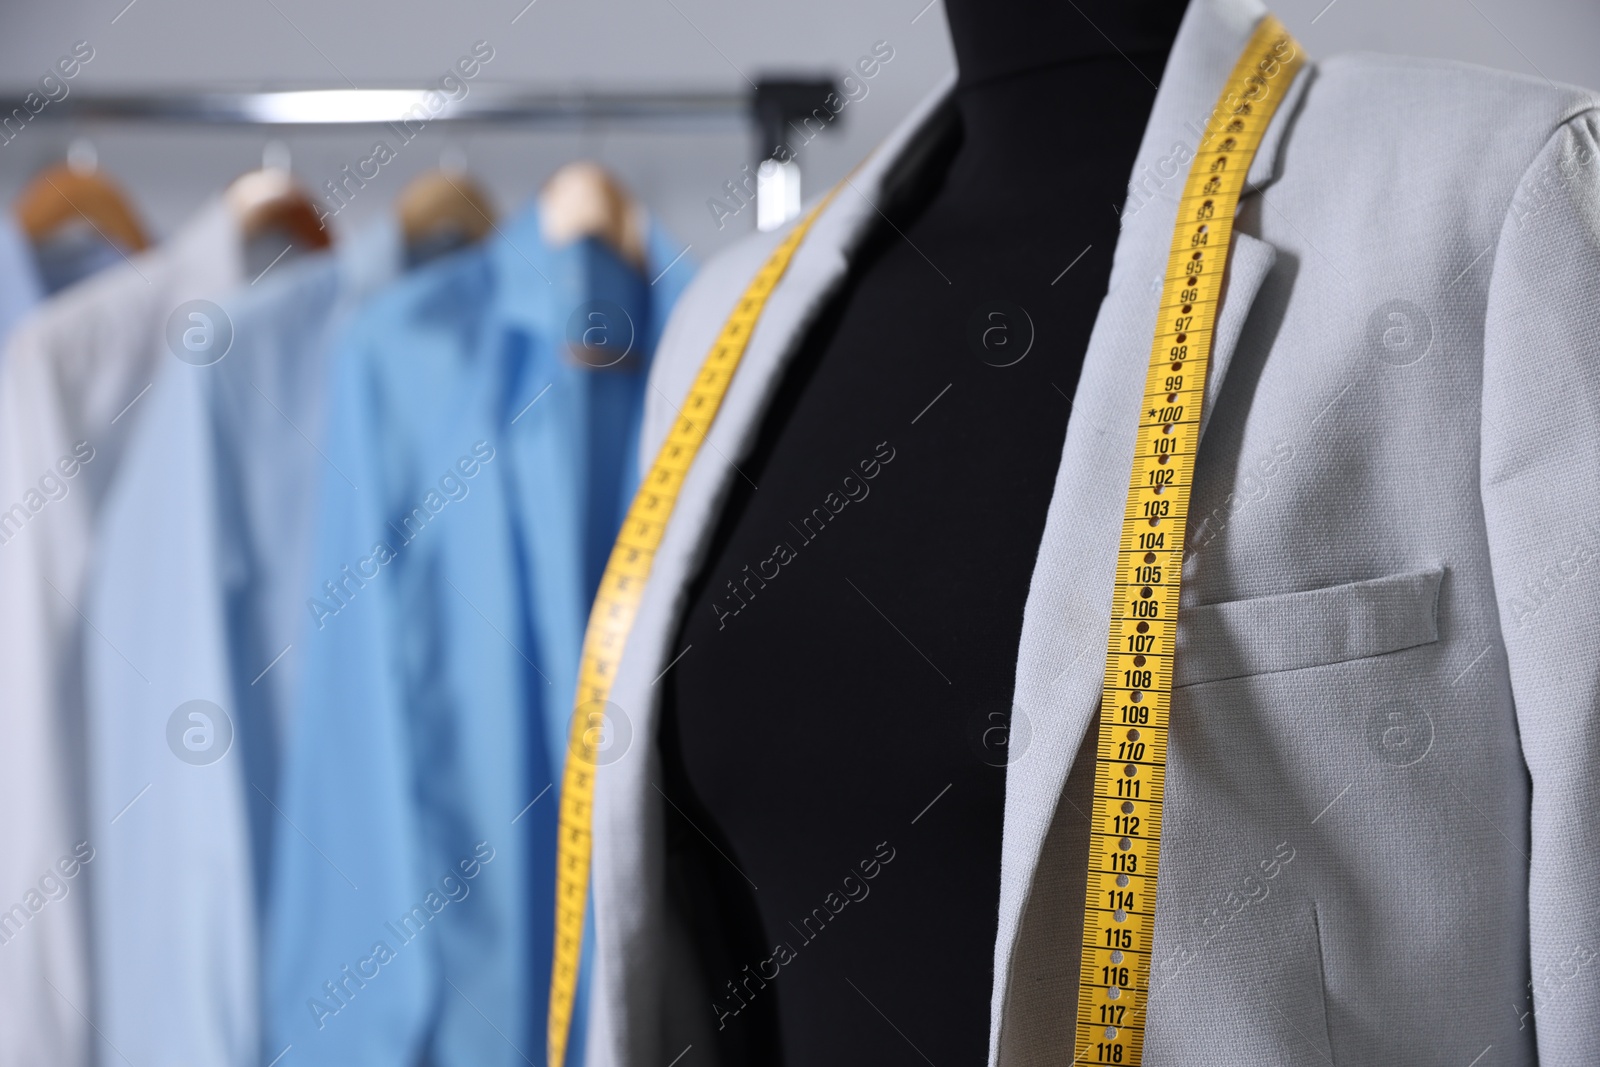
(818, 715)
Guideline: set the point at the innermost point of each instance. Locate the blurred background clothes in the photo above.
(29, 273)
(71, 257)
(202, 556)
(478, 466)
(20, 285)
(71, 374)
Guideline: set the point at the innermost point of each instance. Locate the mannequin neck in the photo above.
(1029, 72)
(998, 39)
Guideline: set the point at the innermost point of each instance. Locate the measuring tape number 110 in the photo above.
(1131, 750)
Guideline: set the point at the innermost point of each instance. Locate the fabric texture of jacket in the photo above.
(1381, 838)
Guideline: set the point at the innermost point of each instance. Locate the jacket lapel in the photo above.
(1250, 260)
(1060, 659)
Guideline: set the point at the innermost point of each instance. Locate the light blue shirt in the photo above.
(63, 260)
(482, 473)
(200, 564)
(20, 285)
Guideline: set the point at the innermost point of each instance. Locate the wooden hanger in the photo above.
(441, 205)
(270, 199)
(78, 191)
(582, 199)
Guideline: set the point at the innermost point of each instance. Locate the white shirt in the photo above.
(71, 382)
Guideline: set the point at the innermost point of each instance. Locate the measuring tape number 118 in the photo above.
(1131, 750)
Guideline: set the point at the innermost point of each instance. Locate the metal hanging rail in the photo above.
(768, 109)
(484, 103)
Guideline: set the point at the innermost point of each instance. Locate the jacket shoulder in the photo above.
(1427, 147)
(1451, 97)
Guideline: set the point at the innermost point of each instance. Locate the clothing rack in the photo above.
(769, 107)
(484, 103)
(770, 102)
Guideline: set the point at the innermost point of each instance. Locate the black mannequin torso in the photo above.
(817, 716)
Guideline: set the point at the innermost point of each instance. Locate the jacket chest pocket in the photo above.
(1291, 631)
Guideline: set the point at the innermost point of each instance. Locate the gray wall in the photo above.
(599, 44)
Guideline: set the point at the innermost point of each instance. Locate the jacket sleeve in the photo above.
(1540, 477)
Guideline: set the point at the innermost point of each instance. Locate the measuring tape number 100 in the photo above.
(1131, 750)
(1119, 916)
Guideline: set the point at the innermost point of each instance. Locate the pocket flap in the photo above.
(1310, 629)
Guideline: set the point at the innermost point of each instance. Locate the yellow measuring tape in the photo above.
(616, 604)
(1131, 752)
(1119, 916)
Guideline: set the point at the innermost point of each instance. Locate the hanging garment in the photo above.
(1387, 631)
(20, 285)
(477, 471)
(67, 258)
(71, 382)
(202, 554)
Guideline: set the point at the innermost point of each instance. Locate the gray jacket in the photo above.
(1382, 830)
